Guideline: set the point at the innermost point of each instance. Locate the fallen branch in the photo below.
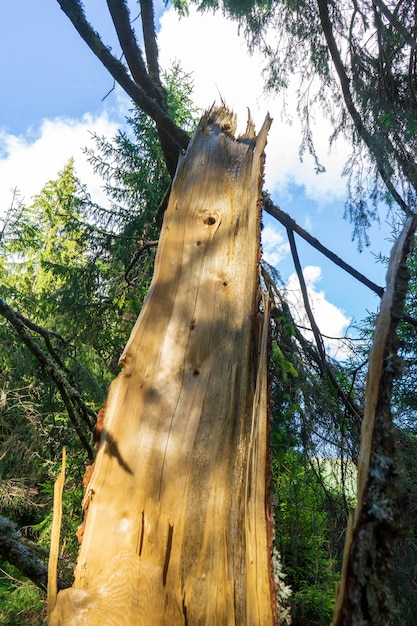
(322, 362)
(23, 558)
(291, 225)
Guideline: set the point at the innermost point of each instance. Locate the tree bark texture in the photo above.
(363, 596)
(26, 560)
(177, 529)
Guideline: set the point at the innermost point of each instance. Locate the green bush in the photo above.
(21, 602)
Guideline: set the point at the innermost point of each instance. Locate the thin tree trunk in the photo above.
(177, 529)
(363, 596)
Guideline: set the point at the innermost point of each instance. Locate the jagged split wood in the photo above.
(55, 536)
(363, 597)
(177, 529)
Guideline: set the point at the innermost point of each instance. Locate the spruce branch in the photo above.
(76, 407)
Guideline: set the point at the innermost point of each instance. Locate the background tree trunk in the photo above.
(177, 527)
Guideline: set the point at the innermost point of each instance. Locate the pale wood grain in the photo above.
(175, 531)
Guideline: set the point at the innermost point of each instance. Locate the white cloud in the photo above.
(274, 245)
(28, 161)
(331, 320)
(210, 48)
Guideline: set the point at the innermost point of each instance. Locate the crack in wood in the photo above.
(167, 553)
(142, 532)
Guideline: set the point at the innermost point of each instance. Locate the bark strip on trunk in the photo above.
(176, 530)
(363, 597)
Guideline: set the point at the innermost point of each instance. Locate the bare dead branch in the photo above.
(71, 397)
(289, 223)
(322, 359)
(146, 246)
(410, 320)
(315, 329)
(314, 355)
(47, 335)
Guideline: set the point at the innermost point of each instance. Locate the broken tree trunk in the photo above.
(363, 595)
(177, 528)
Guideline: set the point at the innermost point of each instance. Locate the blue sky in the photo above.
(45, 70)
(52, 96)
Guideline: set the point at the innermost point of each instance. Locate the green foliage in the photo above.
(311, 490)
(180, 5)
(279, 361)
(304, 539)
(22, 603)
(82, 272)
(135, 179)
